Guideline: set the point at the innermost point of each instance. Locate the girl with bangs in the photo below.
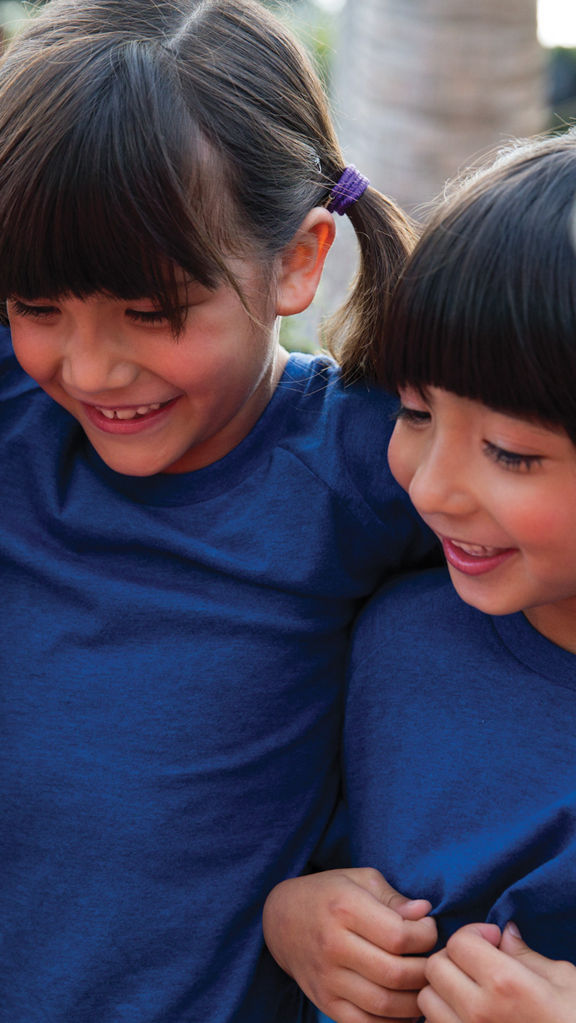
(460, 737)
(191, 516)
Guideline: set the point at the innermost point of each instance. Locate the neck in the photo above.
(557, 622)
(219, 444)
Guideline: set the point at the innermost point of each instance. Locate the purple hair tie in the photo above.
(350, 186)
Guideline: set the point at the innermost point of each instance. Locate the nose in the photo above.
(94, 362)
(441, 483)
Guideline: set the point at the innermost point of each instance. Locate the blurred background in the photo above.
(422, 88)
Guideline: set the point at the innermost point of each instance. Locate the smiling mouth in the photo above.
(128, 419)
(130, 413)
(474, 559)
(476, 550)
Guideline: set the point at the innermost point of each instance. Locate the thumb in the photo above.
(409, 909)
(412, 909)
(513, 945)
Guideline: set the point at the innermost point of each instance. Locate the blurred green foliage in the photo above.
(294, 336)
(315, 27)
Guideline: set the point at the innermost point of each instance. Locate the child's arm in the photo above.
(351, 942)
(473, 981)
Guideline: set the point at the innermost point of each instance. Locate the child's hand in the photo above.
(351, 942)
(474, 981)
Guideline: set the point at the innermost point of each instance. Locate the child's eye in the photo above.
(27, 309)
(511, 459)
(412, 416)
(151, 316)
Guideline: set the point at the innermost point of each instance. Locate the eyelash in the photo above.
(412, 416)
(32, 310)
(508, 459)
(149, 316)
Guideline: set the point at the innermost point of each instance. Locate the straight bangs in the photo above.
(486, 306)
(106, 183)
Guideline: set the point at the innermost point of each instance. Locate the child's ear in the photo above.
(302, 262)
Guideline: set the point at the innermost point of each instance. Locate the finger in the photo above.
(473, 950)
(395, 972)
(377, 999)
(399, 937)
(506, 991)
(385, 928)
(513, 945)
(373, 881)
(434, 1008)
(490, 932)
(357, 910)
(413, 909)
(451, 985)
(342, 1011)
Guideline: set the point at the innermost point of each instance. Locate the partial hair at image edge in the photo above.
(486, 306)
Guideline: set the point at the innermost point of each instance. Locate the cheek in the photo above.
(401, 459)
(541, 523)
(27, 355)
(34, 352)
(206, 373)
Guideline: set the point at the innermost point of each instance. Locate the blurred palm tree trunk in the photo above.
(424, 86)
(421, 89)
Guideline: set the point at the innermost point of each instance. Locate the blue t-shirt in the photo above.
(171, 662)
(460, 748)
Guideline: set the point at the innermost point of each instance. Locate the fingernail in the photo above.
(513, 930)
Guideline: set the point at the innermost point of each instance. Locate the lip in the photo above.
(125, 427)
(474, 564)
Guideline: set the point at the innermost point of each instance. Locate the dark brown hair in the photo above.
(486, 305)
(138, 138)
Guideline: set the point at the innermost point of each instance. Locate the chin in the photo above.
(480, 597)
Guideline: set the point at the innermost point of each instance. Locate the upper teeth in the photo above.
(475, 549)
(128, 413)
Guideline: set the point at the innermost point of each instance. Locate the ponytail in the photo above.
(354, 333)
